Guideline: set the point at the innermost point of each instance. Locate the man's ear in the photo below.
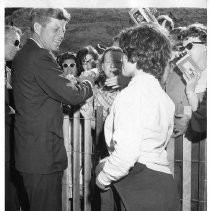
(37, 28)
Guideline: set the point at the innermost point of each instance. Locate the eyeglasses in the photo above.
(16, 43)
(68, 65)
(189, 46)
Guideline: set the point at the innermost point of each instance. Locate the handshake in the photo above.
(90, 75)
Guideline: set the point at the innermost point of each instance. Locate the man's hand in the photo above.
(90, 75)
(72, 80)
(180, 124)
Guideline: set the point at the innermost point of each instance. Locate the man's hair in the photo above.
(169, 22)
(148, 46)
(66, 55)
(194, 30)
(43, 15)
(10, 30)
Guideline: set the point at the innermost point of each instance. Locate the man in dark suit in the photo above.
(39, 92)
(14, 195)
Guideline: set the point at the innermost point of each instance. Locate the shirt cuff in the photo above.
(102, 178)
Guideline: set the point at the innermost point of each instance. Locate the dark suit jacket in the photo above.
(197, 128)
(9, 126)
(39, 92)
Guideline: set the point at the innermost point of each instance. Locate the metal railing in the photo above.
(187, 163)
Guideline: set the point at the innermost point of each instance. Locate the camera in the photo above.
(177, 57)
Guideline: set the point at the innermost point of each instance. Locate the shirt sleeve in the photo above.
(127, 138)
(49, 77)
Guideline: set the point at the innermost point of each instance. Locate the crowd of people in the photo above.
(141, 89)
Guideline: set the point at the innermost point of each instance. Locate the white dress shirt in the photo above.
(138, 129)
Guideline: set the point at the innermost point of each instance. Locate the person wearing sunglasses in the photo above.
(12, 42)
(194, 40)
(67, 62)
(14, 196)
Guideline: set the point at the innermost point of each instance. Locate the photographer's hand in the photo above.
(191, 80)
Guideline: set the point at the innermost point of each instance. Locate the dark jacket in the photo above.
(197, 128)
(9, 126)
(39, 93)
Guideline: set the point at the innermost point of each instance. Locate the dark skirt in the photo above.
(144, 189)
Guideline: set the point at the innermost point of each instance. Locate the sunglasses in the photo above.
(68, 65)
(189, 46)
(16, 43)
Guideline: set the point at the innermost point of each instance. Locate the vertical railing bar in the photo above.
(187, 150)
(202, 176)
(65, 180)
(87, 162)
(99, 129)
(171, 154)
(76, 161)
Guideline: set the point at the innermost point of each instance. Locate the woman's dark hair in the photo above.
(148, 46)
(81, 54)
(66, 55)
(194, 30)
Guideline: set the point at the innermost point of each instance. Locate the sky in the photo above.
(106, 3)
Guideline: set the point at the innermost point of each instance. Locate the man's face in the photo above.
(12, 43)
(52, 34)
(112, 64)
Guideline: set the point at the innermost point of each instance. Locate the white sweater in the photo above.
(138, 129)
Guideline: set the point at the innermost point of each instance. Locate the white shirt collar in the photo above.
(36, 42)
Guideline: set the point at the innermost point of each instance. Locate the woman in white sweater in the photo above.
(139, 126)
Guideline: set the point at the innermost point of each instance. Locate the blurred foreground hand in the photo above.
(180, 124)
